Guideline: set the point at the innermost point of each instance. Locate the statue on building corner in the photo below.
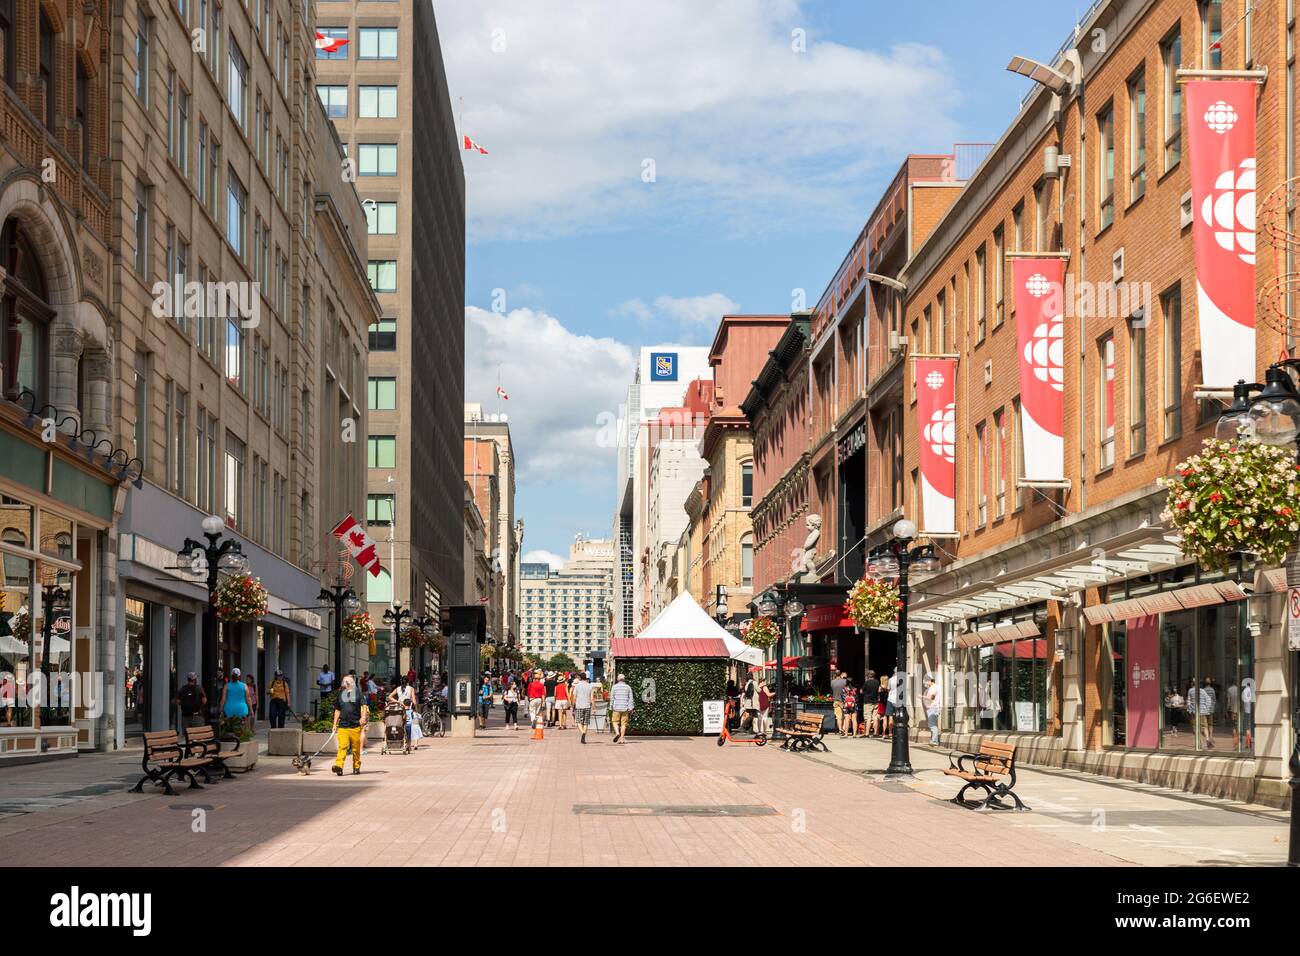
(803, 563)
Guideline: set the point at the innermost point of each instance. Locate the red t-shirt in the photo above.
(537, 689)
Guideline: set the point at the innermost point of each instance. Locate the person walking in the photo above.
(582, 704)
(279, 705)
(404, 694)
(510, 699)
(764, 707)
(251, 683)
(351, 715)
(325, 680)
(536, 698)
(1207, 702)
(192, 701)
(870, 702)
(234, 698)
(850, 709)
(562, 702)
(550, 698)
(931, 700)
(621, 705)
(838, 686)
(749, 704)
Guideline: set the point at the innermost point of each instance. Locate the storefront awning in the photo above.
(996, 635)
(826, 617)
(1164, 602)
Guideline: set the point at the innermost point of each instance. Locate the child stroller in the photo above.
(395, 741)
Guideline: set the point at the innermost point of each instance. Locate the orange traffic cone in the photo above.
(537, 729)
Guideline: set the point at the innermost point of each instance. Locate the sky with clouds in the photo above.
(652, 166)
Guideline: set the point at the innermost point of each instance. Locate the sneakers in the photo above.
(584, 737)
(355, 771)
(338, 771)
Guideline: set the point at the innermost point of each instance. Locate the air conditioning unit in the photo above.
(988, 373)
(1185, 210)
(1117, 266)
(897, 342)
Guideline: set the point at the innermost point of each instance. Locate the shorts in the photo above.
(550, 703)
(582, 715)
(839, 710)
(484, 707)
(880, 708)
(889, 710)
(561, 705)
(618, 720)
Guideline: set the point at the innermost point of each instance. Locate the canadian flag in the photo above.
(359, 545)
(1221, 146)
(1040, 336)
(936, 419)
(329, 44)
(502, 393)
(470, 144)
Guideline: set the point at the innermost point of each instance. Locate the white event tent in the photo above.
(683, 618)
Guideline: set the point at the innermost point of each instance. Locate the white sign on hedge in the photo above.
(713, 710)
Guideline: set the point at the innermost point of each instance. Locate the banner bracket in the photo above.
(1028, 254)
(1063, 483)
(934, 355)
(1207, 391)
(1259, 76)
(945, 535)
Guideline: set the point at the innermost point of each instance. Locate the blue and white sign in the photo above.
(663, 366)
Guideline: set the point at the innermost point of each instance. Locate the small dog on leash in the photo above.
(302, 763)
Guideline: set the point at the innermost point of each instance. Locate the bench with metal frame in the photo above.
(166, 759)
(805, 734)
(992, 770)
(201, 741)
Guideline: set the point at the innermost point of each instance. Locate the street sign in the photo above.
(1293, 619)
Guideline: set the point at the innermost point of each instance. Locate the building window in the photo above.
(1171, 372)
(383, 394)
(1137, 385)
(379, 509)
(381, 451)
(1212, 34)
(1106, 402)
(383, 274)
(981, 294)
(383, 336)
(237, 86)
(981, 463)
(143, 201)
(333, 33)
(1042, 194)
(999, 277)
(378, 43)
(234, 497)
(377, 159)
(180, 436)
(747, 561)
(1137, 133)
(142, 416)
(377, 102)
(1018, 453)
(235, 353)
(48, 79)
(1106, 166)
(8, 42)
(1171, 58)
(236, 212)
(83, 112)
(747, 484)
(334, 99)
(381, 219)
(999, 464)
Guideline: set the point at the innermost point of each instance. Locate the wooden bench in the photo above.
(992, 770)
(804, 734)
(165, 759)
(202, 742)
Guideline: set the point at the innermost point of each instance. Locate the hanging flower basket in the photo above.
(1235, 496)
(358, 628)
(240, 597)
(873, 603)
(412, 636)
(759, 632)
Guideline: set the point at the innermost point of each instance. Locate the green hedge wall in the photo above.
(669, 694)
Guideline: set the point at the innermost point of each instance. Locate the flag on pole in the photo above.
(1040, 337)
(936, 418)
(1221, 146)
(359, 545)
(501, 393)
(329, 44)
(470, 144)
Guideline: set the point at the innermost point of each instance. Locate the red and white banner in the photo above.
(936, 420)
(1221, 146)
(1040, 338)
(354, 537)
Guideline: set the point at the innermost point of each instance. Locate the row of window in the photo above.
(373, 43)
(373, 102)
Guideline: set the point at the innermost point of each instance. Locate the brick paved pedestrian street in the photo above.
(503, 799)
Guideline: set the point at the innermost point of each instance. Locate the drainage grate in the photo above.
(686, 810)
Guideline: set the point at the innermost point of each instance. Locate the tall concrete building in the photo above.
(386, 90)
(662, 375)
(505, 532)
(564, 611)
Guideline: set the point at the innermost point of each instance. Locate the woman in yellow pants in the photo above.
(351, 715)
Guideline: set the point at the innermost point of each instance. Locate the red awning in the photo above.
(826, 617)
(631, 647)
(1036, 649)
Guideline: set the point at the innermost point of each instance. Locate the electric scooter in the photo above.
(758, 740)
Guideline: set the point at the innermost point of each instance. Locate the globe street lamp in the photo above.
(394, 616)
(211, 558)
(344, 601)
(896, 557)
(1273, 417)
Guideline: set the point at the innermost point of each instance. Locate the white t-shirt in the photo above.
(326, 680)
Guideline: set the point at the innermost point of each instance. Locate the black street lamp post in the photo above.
(897, 556)
(211, 558)
(784, 609)
(394, 616)
(1273, 417)
(343, 598)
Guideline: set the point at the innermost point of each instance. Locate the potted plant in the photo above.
(239, 598)
(235, 728)
(315, 733)
(873, 603)
(358, 628)
(760, 632)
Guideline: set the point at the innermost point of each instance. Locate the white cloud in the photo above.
(545, 557)
(745, 134)
(559, 383)
(690, 312)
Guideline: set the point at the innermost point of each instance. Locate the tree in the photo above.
(560, 662)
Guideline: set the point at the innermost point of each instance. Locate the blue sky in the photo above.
(653, 165)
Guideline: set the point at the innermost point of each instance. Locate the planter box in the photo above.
(249, 760)
(827, 712)
(284, 742)
(375, 731)
(312, 742)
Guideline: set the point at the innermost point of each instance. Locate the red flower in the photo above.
(1216, 497)
(1182, 505)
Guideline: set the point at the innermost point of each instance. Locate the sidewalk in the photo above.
(1153, 826)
